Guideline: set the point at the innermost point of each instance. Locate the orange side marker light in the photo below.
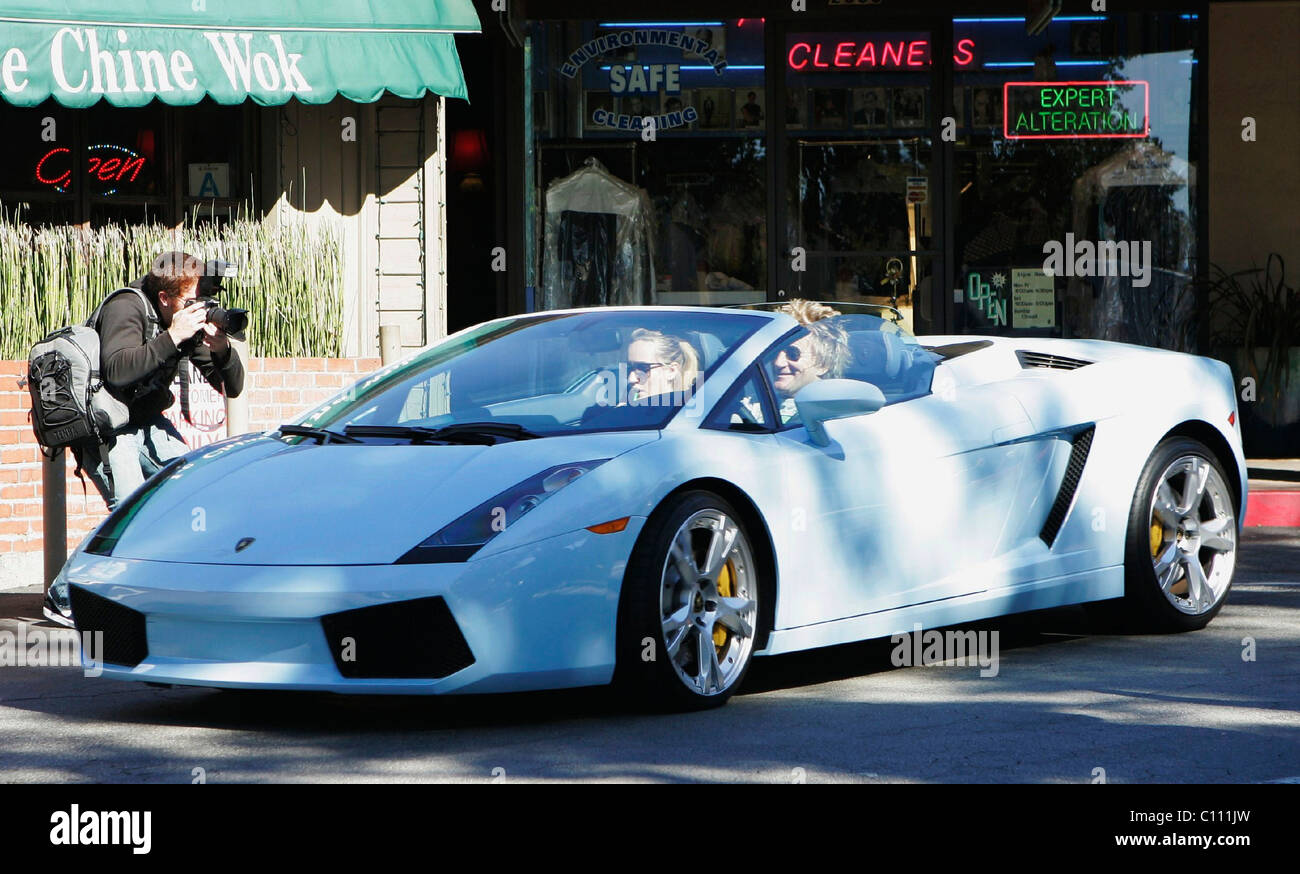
(612, 527)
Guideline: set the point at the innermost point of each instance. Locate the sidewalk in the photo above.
(19, 569)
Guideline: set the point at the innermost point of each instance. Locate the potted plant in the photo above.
(1255, 326)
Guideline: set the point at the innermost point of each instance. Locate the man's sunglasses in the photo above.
(792, 352)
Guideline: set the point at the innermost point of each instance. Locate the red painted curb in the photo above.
(1275, 508)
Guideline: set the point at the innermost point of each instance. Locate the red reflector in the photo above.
(1232, 418)
(612, 527)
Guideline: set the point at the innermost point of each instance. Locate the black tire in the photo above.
(1146, 606)
(647, 675)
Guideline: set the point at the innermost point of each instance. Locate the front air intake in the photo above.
(123, 628)
(415, 639)
(1046, 360)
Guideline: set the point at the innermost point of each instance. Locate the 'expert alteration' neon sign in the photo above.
(1076, 110)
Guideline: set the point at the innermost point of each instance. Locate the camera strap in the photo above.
(185, 389)
(151, 317)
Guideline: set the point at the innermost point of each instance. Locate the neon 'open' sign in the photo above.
(105, 162)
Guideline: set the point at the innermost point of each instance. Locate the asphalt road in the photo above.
(1066, 705)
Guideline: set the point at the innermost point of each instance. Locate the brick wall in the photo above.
(278, 390)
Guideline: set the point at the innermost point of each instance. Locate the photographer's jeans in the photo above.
(138, 452)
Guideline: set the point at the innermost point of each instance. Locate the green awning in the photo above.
(179, 51)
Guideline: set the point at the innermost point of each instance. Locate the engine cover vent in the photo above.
(1052, 362)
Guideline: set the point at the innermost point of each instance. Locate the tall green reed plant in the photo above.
(289, 277)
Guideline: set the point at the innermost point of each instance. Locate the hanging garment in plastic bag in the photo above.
(598, 242)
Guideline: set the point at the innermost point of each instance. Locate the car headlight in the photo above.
(459, 539)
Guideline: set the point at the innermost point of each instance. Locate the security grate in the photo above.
(123, 628)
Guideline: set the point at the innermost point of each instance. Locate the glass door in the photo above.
(860, 175)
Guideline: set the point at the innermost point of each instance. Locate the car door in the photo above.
(903, 506)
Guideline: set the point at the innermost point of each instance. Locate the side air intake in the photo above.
(1069, 485)
(1030, 359)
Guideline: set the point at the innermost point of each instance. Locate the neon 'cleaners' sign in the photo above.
(1076, 110)
(105, 163)
(808, 52)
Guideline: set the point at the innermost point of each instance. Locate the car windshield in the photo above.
(551, 374)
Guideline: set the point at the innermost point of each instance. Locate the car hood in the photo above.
(309, 504)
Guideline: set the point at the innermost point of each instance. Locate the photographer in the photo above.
(139, 366)
(140, 353)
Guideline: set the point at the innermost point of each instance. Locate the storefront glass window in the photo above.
(677, 110)
(38, 152)
(1076, 151)
(859, 161)
(213, 169)
(108, 164)
(36, 178)
(126, 156)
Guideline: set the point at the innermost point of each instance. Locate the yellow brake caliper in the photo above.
(1157, 540)
(725, 576)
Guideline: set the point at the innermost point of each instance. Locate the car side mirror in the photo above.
(827, 399)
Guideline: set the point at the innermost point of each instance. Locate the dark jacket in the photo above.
(140, 371)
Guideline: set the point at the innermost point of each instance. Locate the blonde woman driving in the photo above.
(661, 369)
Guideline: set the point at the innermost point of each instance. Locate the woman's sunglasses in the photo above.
(642, 368)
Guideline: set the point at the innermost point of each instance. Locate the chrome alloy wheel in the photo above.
(707, 600)
(1193, 534)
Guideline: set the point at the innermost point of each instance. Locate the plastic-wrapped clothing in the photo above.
(598, 242)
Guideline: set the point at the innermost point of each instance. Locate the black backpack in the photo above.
(71, 407)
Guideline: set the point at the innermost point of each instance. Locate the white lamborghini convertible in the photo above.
(654, 496)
